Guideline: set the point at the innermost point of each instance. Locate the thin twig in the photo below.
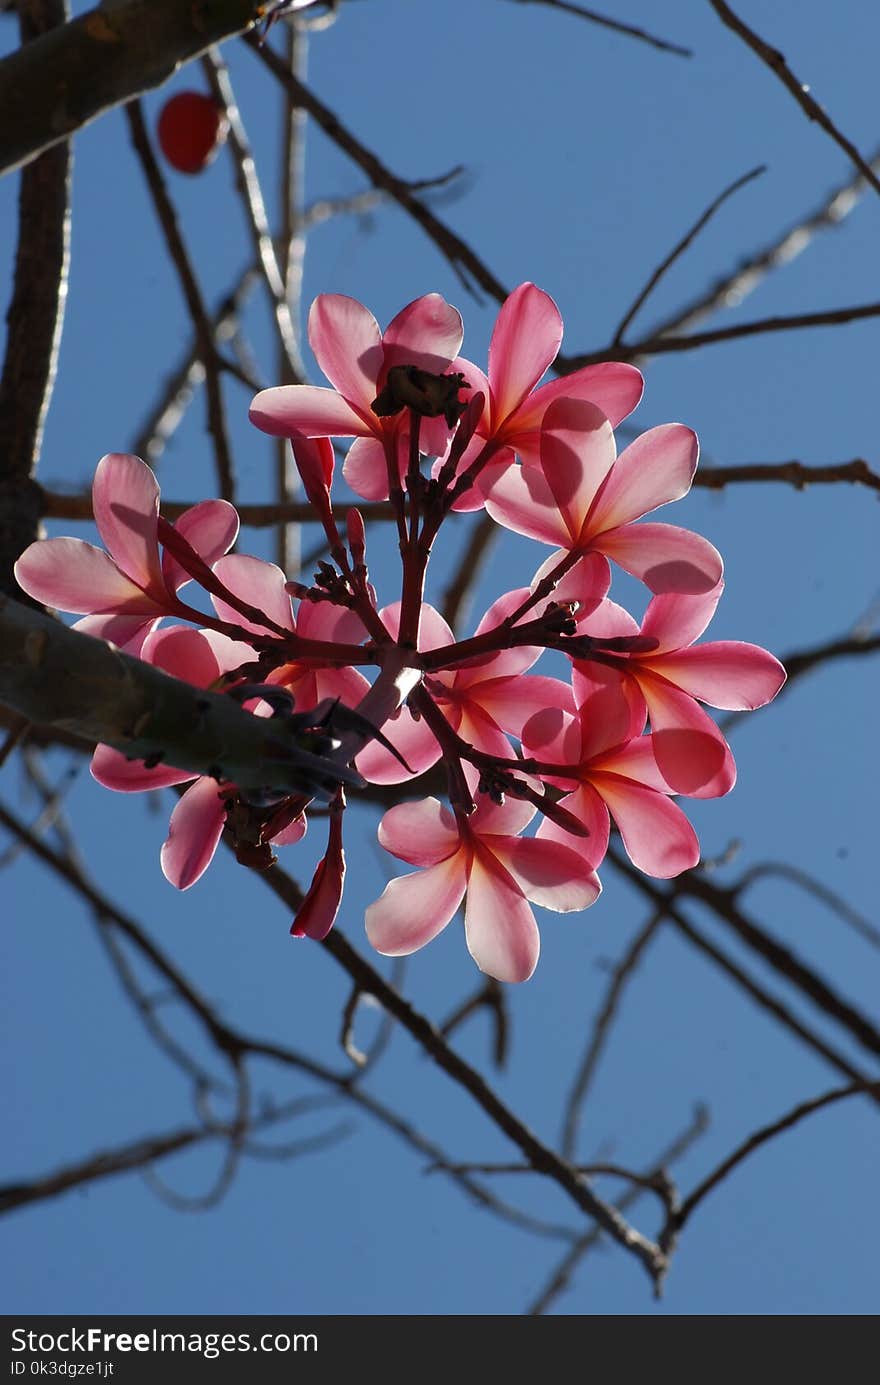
(192, 294)
(561, 1276)
(799, 90)
(251, 196)
(601, 1029)
(630, 30)
(755, 1141)
(811, 886)
(467, 265)
(682, 245)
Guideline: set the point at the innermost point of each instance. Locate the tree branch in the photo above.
(51, 88)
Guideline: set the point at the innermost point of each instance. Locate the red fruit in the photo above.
(191, 129)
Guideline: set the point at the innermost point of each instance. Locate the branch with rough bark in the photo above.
(64, 80)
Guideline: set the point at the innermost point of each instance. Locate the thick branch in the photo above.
(65, 79)
(54, 675)
(34, 319)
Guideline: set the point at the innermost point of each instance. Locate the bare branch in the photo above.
(799, 90)
(682, 245)
(797, 474)
(730, 290)
(631, 30)
(601, 1029)
(755, 1141)
(34, 321)
(192, 293)
(467, 265)
(99, 60)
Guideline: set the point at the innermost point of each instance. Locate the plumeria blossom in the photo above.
(615, 771)
(355, 355)
(525, 342)
(485, 858)
(388, 688)
(485, 700)
(673, 675)
(125, 591)
(585, 499)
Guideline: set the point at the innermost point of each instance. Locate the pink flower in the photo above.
(616, 775)
(262, 585)
(484, 857)
(356, 356)
(484, 700)
(584, 499)
(675, 675)
(125, 591)
(525, 342)
(199, 657)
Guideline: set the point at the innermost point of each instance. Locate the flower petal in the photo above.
(426, 333)
(257, 583)
(422, 833)
(413, 909)
(525, 341)
(577, 454)
(655, 469)
(347, 343)
(512, 701)
(366, 470)
(183, 653)
(210, 528)
(76, 576)
(193, 833)
(126, 632)
(110, 768)
(502, 935)
(657, 835)
(725, 673)
(413, 739)
(612, 386)
(666, 558)
(307, 411)
(590, 809)
(675, 621)
(549, 873)
(692, 755)
(125, 501)
(520, 499)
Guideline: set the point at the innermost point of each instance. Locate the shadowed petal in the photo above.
(725, 673)
(125, 501)
(655, 469)
(366, 470)
(612, 386)
(347, 343)
(657, 835)
(210, 528)
(693, 756)
(193, 833)
(666, 558)
(549, 873)
(110, 768)
(426, 333)
(675, 621)
(259, 584)
(525, 341)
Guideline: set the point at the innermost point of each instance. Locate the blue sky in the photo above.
(588, 155)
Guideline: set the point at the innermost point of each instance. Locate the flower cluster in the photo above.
(619, 739)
